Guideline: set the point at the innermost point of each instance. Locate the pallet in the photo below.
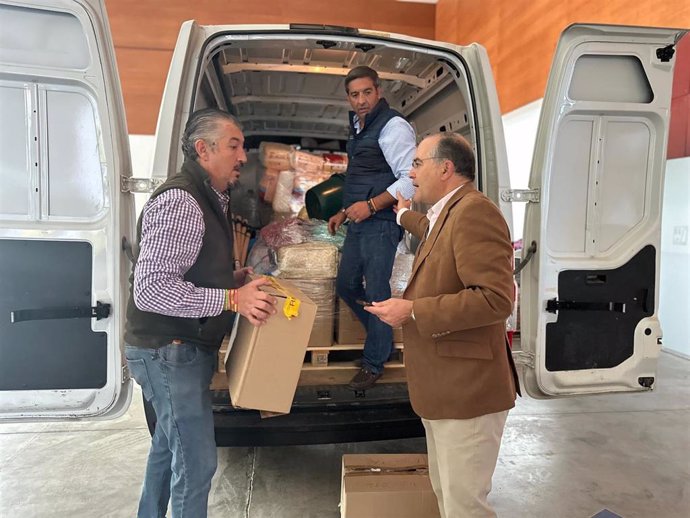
(318, 357)
(326, 366)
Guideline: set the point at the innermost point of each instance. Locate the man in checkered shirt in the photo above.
(184, 296)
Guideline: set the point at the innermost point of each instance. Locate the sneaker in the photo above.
(364, 379)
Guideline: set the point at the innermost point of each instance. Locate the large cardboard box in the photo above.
(387, 486)
(351, 331)
(263, 364)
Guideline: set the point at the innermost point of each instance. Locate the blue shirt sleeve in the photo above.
(398, 141)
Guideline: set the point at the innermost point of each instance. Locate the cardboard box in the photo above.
(263, 364)
(387, 486)
(351, 331)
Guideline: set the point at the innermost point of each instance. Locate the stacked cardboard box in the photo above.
(350, 330)
(387, 486)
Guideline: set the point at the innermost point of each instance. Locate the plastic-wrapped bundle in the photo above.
(283, 195)
(311, 260)
(322, 293)
(305, 180)
(262, 258)
(275, 156)
(307, 162)
(267, 184)
(334, 163)
(402, 268)
(292, 231)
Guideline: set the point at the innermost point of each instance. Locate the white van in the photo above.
(589, 293)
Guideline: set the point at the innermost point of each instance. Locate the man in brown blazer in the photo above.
(460, 372)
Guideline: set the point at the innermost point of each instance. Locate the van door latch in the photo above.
(523, 195)
(99, 312)
(554, 305)
(139, 185)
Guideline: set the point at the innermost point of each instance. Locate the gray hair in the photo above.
(458, 150)
(204, 125)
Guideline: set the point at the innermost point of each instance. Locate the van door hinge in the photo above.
(125, 374)
(524, 358)
(139, 185)
(520, 195)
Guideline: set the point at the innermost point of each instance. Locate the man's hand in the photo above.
(241, 275)
(358, 211)
(254, 304)
(394, 312)
(402, 203)
(335, 221)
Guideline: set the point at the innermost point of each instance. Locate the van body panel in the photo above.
(62, 214)
(589, 296)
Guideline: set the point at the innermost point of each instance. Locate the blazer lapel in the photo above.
(427, 243)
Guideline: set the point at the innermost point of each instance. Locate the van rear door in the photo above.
(590, 293)
(63, 149)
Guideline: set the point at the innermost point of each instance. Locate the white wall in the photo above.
(674, 284)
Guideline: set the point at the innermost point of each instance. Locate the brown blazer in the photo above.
(458, 362)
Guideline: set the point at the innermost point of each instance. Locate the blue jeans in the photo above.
(182, 459)
(365, 271)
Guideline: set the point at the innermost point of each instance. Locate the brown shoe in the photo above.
(363, 380)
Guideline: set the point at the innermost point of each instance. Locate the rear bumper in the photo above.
(317, 425)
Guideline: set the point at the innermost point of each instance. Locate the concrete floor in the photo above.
(629, 454)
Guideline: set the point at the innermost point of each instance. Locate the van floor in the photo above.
(566, 458)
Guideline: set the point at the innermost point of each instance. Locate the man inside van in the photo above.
(184, 296)
(460, 371)
(380, 150)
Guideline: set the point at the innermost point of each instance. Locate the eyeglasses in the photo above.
(417, 162)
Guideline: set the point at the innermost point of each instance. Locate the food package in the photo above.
(275, 156)
(267, 184)
(284, 186)
(334, 163)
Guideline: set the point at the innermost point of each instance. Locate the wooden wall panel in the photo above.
(521, 35)
(679, 133)
(144, 33)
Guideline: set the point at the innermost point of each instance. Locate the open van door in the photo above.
(590, 293)
(63, 213)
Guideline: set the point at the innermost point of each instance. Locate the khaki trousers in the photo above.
(462, 459)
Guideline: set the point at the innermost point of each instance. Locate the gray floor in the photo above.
(565, 458)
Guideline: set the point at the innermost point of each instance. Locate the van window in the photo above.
(60, 42)
(592, 80)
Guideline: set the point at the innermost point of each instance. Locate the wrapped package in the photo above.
(275, 156)
(334, 163)
(267, 184)
(402, 268)
(312, 260)
(283, 195)
(322, 293)
(307, 162)
(291, 231)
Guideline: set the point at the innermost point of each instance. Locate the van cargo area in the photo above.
(290, 90)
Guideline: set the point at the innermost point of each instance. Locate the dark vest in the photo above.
(368, 173)
(212, 269)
